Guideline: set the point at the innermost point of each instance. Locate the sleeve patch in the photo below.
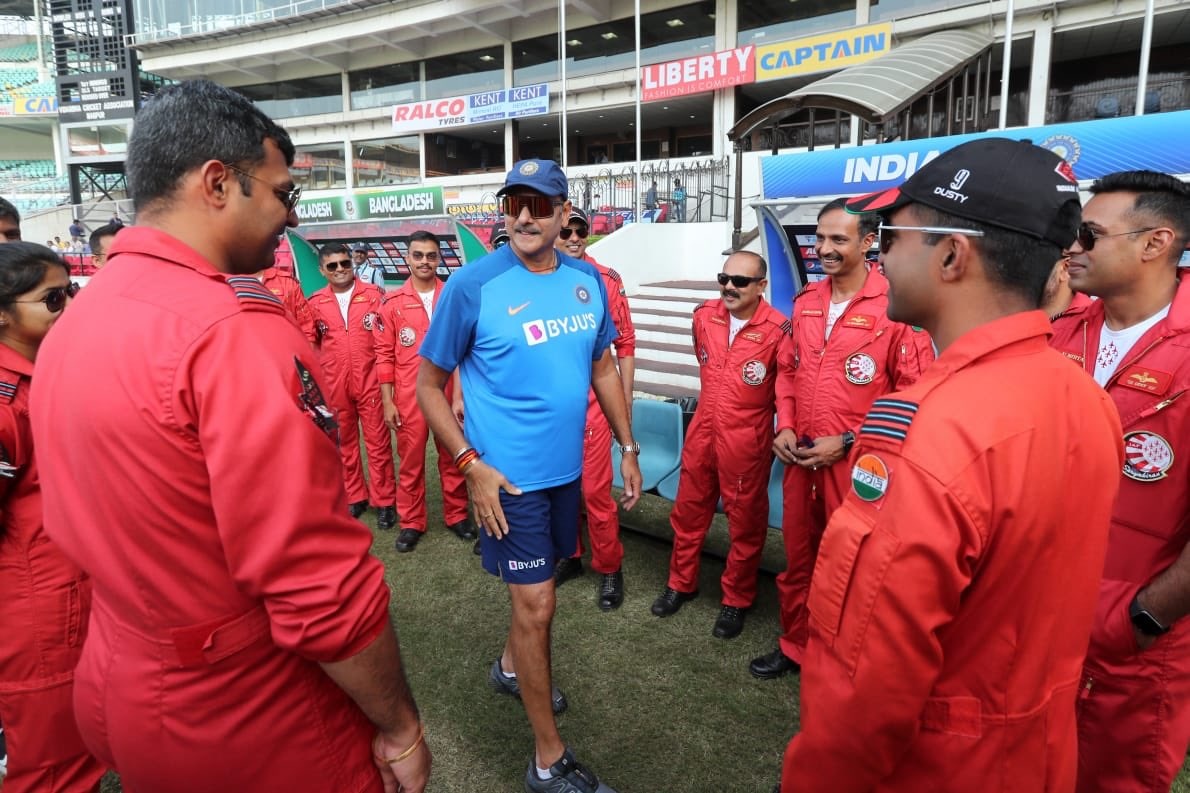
(253, 294)
(889, 419)
(612, 274)
(8, 391)
(312, 403)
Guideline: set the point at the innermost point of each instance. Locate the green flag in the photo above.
(472, 246)
(305, 263)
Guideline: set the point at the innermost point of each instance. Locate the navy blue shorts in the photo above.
(542, 528)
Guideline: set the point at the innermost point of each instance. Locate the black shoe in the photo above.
(611, 591)
(509, 685)
(669, 601)
(386, 518)
(476, 549)
(566, 776)
(730, 622)
(770, 667)
(463, 529)
(357, 508)
(566, 569)
(407, 540)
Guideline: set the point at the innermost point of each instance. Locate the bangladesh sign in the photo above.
(406, 202)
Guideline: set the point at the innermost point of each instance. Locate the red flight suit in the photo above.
(603, 517)
(46, 604)
(398, 335)
(287, 288)
(825, 386)
(728, 451)
(1078, 306)
(955, 586)
(1134, 709)
(348, 356)
(188, 463)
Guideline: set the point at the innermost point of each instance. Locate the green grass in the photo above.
(656, 706)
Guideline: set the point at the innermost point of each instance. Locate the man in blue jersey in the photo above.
(528, 328)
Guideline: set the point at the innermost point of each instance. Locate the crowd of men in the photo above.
(987, 557)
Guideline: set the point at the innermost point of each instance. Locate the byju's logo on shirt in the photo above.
(539, 331)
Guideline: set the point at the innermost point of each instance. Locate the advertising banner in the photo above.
(460, 111)
(1093, 149)
(822, 53)
(698, 74)
(406, 202)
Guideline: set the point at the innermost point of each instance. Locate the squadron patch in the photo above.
(312, 403)
(370, 320)
(869, 478)
(1147, 456)
(702, 356)
(753, 372)
(407, 336)
(860, 368)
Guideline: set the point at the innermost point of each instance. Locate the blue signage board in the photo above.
(1093, 148)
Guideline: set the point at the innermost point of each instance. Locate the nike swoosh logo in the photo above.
(513, 311)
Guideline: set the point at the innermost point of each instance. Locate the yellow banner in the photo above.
(823, 53)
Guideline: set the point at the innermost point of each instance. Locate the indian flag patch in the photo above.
(869, 477)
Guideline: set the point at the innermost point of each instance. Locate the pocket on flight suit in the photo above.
(853, 559)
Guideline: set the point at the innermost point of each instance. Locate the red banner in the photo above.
(698, 74)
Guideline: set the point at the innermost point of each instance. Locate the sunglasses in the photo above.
(55, 297)
(1087, 235)
(887, 236)
(332, 266)
(287, 197)
(738, 281)
(566, 231)
(539, 206)
(417, 256)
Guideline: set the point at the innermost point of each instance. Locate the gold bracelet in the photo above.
(421, 734)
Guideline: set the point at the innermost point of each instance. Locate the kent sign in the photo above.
(460, 111)
(409, 202)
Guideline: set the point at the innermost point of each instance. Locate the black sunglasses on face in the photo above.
(566, 231)
(332, 266)
(287, 197)
(540, 206)
(1087, 235)
(738, 281)
(55, 297)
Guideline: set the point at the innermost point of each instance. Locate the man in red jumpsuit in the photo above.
(289, 290)
(404, 319)
(728, 451)
(240, 637)
(844, 353)
(1134, 702)
(955, 586)
(345, 314)
(603, 518)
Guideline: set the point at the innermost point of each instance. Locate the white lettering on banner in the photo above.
(401, 202)
(884, 167)
(698, 73)
(526, 93)
(430, 110)
(315, 210)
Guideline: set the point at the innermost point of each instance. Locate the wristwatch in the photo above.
(630, 448)
(848, 441)
(1144, 620)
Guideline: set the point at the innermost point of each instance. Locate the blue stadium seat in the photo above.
(776, 494)
(668, 487)
(657, 427)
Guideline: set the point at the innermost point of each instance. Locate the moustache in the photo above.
(731, 293)
(526, 229)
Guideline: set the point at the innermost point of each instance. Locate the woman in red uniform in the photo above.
(46, 598)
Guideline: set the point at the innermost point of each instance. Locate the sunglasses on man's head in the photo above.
(566, 231)
(540, 206)
(332, 266)
(738, 281)
(55, 297)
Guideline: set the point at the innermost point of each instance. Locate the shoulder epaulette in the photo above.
(8, 390)
(787, 327)
(702, 305)
(890, 419)
(253, 294)
(612, 274)
(802, 291)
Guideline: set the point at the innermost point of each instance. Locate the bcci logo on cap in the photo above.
(528, 168)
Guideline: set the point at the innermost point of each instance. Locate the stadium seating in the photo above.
(657, 427)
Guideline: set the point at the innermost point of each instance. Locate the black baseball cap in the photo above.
(499, 236)
(1011, 184)
(579, 215)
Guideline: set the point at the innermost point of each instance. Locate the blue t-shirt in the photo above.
(524, 345)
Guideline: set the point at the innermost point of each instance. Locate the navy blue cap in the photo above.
(544, 176)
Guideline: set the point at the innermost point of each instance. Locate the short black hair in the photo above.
(421, 235)
(106, 230)
(1160, 196)
(331, 248)
(8, 210)
(22, 266)
(764, 266)
(189, 123)
(869, 222)
(1017, 262)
